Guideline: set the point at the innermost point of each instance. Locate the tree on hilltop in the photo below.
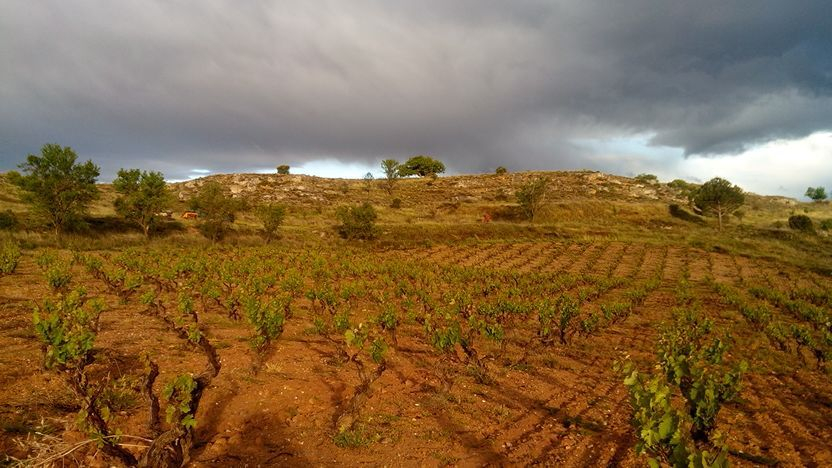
(817, 194)
(421, 166)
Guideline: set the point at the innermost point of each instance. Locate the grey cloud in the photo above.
(228, 85)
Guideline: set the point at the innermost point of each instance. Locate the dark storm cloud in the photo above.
(235, 85)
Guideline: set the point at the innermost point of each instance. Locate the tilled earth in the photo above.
(563, 406)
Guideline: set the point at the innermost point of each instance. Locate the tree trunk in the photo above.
(719, 214)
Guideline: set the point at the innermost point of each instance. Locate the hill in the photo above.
(581, 205)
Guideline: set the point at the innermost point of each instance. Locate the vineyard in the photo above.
(557, 353)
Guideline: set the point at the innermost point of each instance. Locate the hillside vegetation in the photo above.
(578, 205)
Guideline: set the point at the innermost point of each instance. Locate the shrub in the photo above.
(530, 197)
(283, 169)
(8, 220)
(357, 222)
(692, 360)
(647, 179)
(272, 216)
(801, 223)
(216, 210)
(681, 185)
(66, 328)
(826, 224)
(501, 170)
(396, 203)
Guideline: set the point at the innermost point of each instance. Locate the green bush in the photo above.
(8, 220)
(801, 223)
(396, 203)
(9, 256)
(647, 179)
(357, 222)
(66, 328)
(531, 196)
(826, 224)
(272, 216)
(283, 169)
(501, 170)
(216, 210)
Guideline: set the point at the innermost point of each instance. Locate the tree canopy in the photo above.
(718, 197)
(391, 173)
(216, 210)
(421, 166)
(142, 196)
(816, 193)
(58, 188)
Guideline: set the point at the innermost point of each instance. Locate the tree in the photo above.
(421, 166)
(283, 169)
(501, 170)
(357, 222)
(56, 186)
(718, 197)
(817, 194)
(271, 216)
(368, 182)
(531, 197)
(216, 210)
(391, 173)
(142, 196)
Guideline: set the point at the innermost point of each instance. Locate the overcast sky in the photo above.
(737, 88)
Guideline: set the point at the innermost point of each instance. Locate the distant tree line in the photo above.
(60, 189)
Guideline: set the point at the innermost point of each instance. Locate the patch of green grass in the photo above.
(354, 438)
